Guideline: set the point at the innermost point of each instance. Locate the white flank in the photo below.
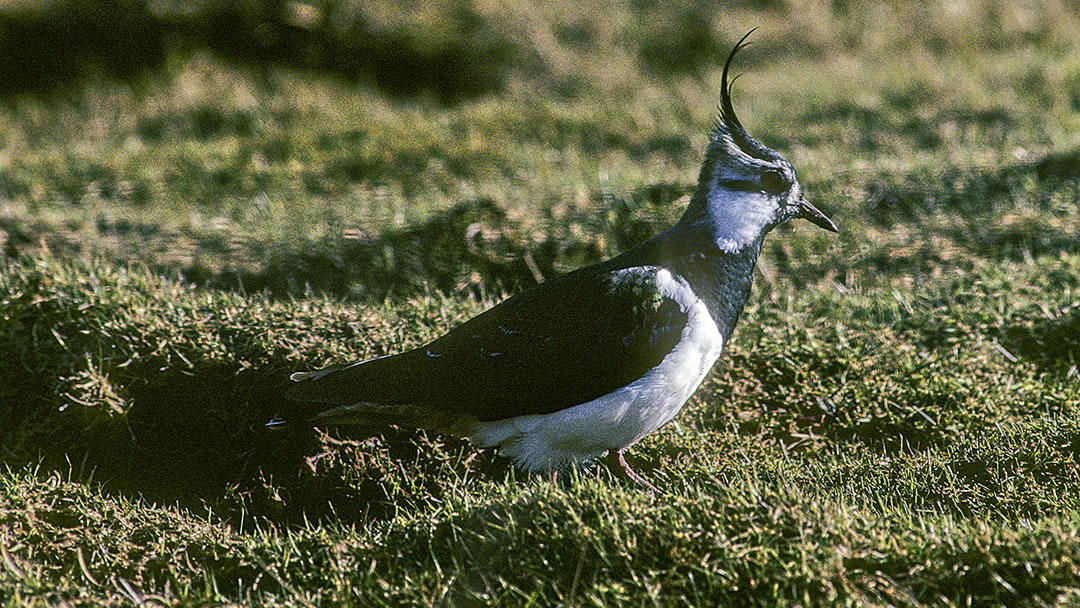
(618, 419)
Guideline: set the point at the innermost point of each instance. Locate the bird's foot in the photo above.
(624, 470)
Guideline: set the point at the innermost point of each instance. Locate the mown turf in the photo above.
(897, 421)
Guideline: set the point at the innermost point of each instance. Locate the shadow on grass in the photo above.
(1053, 344)
(186, 446)
(199, 439)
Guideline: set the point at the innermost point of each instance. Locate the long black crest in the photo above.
(728, 123)
(727, 111)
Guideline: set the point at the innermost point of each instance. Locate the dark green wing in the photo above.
(557, 345)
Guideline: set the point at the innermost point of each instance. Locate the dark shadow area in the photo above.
(187, 447)
(1052, 344)
(198, 439)
(46, 48)
(685, 43)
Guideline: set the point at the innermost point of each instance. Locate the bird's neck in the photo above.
(721, 278)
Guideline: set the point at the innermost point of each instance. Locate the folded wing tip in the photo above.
(301, 376)
(276, 423)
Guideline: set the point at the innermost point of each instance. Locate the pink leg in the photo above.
(624, 468)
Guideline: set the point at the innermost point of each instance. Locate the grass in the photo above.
(897, 421)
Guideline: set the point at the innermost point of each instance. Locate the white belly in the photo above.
(618, 419)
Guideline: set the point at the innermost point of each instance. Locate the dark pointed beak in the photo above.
(809, 212)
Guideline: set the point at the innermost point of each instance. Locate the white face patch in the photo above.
(736, 217)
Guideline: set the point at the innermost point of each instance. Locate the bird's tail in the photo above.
(364, 413)
(377, 414)
(301, 408)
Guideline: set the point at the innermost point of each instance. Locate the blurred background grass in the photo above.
(338, 146)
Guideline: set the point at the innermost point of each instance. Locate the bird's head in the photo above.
(745, 188)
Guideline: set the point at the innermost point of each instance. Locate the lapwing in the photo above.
(588, 363)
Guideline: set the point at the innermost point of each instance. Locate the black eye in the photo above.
(773, 182)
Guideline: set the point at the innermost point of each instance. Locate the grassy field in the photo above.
(897, 421)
